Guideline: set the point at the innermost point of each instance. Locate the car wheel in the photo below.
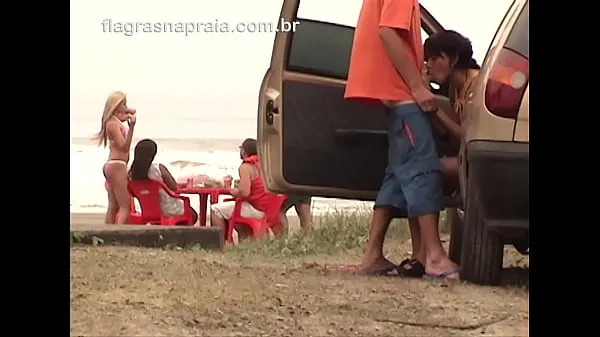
(455, 218)
(482, 251)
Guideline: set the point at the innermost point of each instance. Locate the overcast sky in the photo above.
(181, 72)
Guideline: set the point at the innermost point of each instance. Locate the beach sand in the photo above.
(98, 219)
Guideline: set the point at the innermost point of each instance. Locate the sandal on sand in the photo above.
(411, 268)
(442, 276)
(388, 271)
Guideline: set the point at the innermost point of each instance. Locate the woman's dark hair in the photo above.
(249, 146)
(457, 47)
(143, 155)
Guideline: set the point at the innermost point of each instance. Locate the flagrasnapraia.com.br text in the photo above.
(131, 28)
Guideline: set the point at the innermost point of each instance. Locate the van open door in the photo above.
(311, 140)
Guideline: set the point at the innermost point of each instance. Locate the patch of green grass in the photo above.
(332, 233)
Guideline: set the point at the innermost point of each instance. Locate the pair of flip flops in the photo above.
(442, 276)
(414, 268)
(408, 268)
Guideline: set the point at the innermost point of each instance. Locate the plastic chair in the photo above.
(135, 218)
(146, 191)
(258, 227)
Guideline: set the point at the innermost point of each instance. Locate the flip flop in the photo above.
(442, 276)
(411, 268)
(388, 271)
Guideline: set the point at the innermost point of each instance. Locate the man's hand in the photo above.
(425, 99)
(425, 76)
(234, 192)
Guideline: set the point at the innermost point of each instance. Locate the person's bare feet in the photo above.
(380, 264)
(443, 268)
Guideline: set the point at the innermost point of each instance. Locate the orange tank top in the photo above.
(259, 197)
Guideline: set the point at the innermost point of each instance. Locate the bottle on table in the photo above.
(227, 181)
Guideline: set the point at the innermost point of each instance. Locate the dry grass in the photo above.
(280, 287)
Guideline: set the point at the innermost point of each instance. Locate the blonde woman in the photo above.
(118, 138)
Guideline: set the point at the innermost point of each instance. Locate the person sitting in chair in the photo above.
(143, 168)
(250, 188)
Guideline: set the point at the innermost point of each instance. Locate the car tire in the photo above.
(456, 229)
(482, 251)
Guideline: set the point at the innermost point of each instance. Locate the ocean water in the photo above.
(213, 157)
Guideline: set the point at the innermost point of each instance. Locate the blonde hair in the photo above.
(112, 102)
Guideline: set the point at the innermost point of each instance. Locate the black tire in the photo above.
(456, 229)
(482, 251)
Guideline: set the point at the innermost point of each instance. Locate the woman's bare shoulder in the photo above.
(113, 125)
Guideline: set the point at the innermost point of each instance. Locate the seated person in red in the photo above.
(250, 187)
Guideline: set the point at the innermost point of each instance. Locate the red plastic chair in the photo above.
(146, 191)
(135, 218)
(258, 227)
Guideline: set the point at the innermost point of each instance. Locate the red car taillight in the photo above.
(507, 83)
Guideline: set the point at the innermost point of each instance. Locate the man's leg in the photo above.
(450, 174)
(421, 179)
(302, 207)
(220, 214)
(373, 260)
(284, 226)
(437, 261)
(424, 200)
(390, 201)
(415, 238)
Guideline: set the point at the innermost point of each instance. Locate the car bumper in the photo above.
(501, 176)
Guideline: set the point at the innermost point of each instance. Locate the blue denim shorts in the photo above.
(412, 185)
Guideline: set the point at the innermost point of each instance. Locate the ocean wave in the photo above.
(186, 163)
(90, 206)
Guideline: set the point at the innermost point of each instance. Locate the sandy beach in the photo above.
(288, 287)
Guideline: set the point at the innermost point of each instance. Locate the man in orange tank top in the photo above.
(385, 68)
(250, 187)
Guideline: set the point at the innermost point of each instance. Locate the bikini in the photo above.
(124, 130)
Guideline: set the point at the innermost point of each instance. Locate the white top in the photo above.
(168, 206)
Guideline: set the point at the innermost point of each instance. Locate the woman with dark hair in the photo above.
(449, 58)
(142, 168)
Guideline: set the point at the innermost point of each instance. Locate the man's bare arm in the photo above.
(399, 54)
(168, 177)
(245, 172)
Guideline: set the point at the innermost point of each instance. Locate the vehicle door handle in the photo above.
(270, 111)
